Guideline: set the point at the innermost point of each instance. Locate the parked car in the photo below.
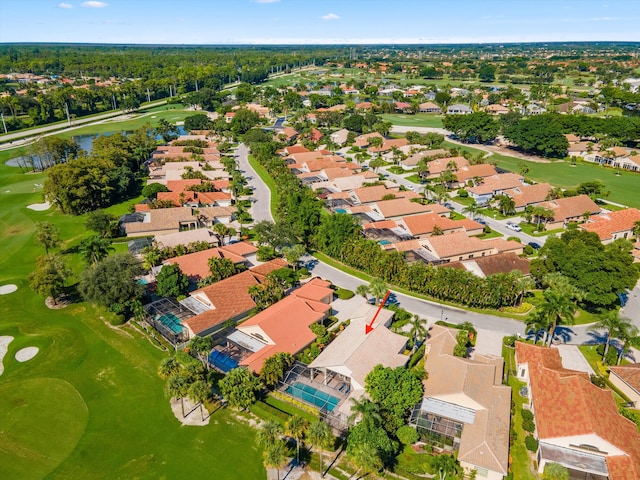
(514, 227)
(535, 245)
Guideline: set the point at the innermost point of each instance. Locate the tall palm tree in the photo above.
(297, 427)
(362, 290)
(506, 204)
(537, 322)
(202, 346)
(557, 307)
(611, 323)
(629, 334)
(269, 433)
(176, 387)
(378, 288)
(418, 330)
(199, 392)
(320, 436)
(275, 456)
(472, 209)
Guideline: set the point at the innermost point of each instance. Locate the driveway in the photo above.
(344, 309)
(488, 342)
(573, 359)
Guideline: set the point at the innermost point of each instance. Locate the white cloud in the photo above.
(605, 19)
(94, 4)
(267, 1)
(65, 5)
(330, 16)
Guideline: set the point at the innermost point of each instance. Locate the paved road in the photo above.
(261, 198)
(27, 135)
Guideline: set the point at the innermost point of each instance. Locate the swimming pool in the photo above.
(171, 321)
(384, 242)
(222, 361)
(313, 396)
(340, 210)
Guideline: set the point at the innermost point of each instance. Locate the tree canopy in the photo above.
(112, 281)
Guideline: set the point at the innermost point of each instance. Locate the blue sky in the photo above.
(318, 21)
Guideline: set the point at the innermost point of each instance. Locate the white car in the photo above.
(514, 227)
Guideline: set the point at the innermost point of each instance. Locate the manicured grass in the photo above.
(492, 234)
(594, 359)
(266, 178)
(90, 404)
(417, 120)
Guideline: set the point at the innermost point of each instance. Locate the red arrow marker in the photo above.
(369, 327)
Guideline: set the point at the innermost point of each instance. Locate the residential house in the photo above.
(430, 107)
(286, 134)
(577, 423)
(459, 109)
(525, 195)
(465, 408)
(403, 107)
(627, 379)
(499, 263)
(474, 172)
(440, 165)
(186, 237)
(494, 185)
(196, 265)
(424, 225)
(569, 209)
(496, 109)
(226, 300)
(159, 221)
(284, 326)
(362, 141)
(414, 158)
(611, 226)
(340, 137)
(354, 352)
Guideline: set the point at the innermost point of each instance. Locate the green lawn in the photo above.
(417, 120)
(90, 404)
(266, 178)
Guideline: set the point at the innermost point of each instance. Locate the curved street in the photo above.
(431, 311)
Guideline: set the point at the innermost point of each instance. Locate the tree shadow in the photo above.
(563, 334)
(596, 337)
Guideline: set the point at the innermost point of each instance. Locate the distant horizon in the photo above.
(318, 22)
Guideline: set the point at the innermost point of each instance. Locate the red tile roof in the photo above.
(571, 207)
(230, 297)
(286, 323)
(567, 404)
(610, 223)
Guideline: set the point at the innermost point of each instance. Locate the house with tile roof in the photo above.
(159, 221)
(627, 379)
(439, 165)
(459, 109)
(473, 172)
(577, 423)
(465, 406)
(430, 107)
(196, 265)
(284, 326)
(495, 185)
(423, 225)
(354, 353)
(414, 158)
(227, 300)
(525, 195)
(399, 207)
(611, 226)
(500, 263)
(185, 238)
(569, 209)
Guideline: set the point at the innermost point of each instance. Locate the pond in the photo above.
(85, 142)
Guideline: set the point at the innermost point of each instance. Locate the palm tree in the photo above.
(275, 456)
(418, 331)
(168, 367)
(366, 411)
(536, 322)
(378, 288)
(610, 323)
(636, 229)
(176, 387)
(320, 436)
(199, 392)
(444, 464)
(556, 308)
(366, 458)
(629, 334)
(202, 346)
(297, 427)
(362, 290)
(269, 433)
(472, 209)
(506, 204)
(95, 248)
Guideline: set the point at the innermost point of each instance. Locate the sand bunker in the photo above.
(4, 346)
(7, 289)
(39, 207)
(26, 354)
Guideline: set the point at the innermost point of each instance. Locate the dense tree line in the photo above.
(108, 175)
